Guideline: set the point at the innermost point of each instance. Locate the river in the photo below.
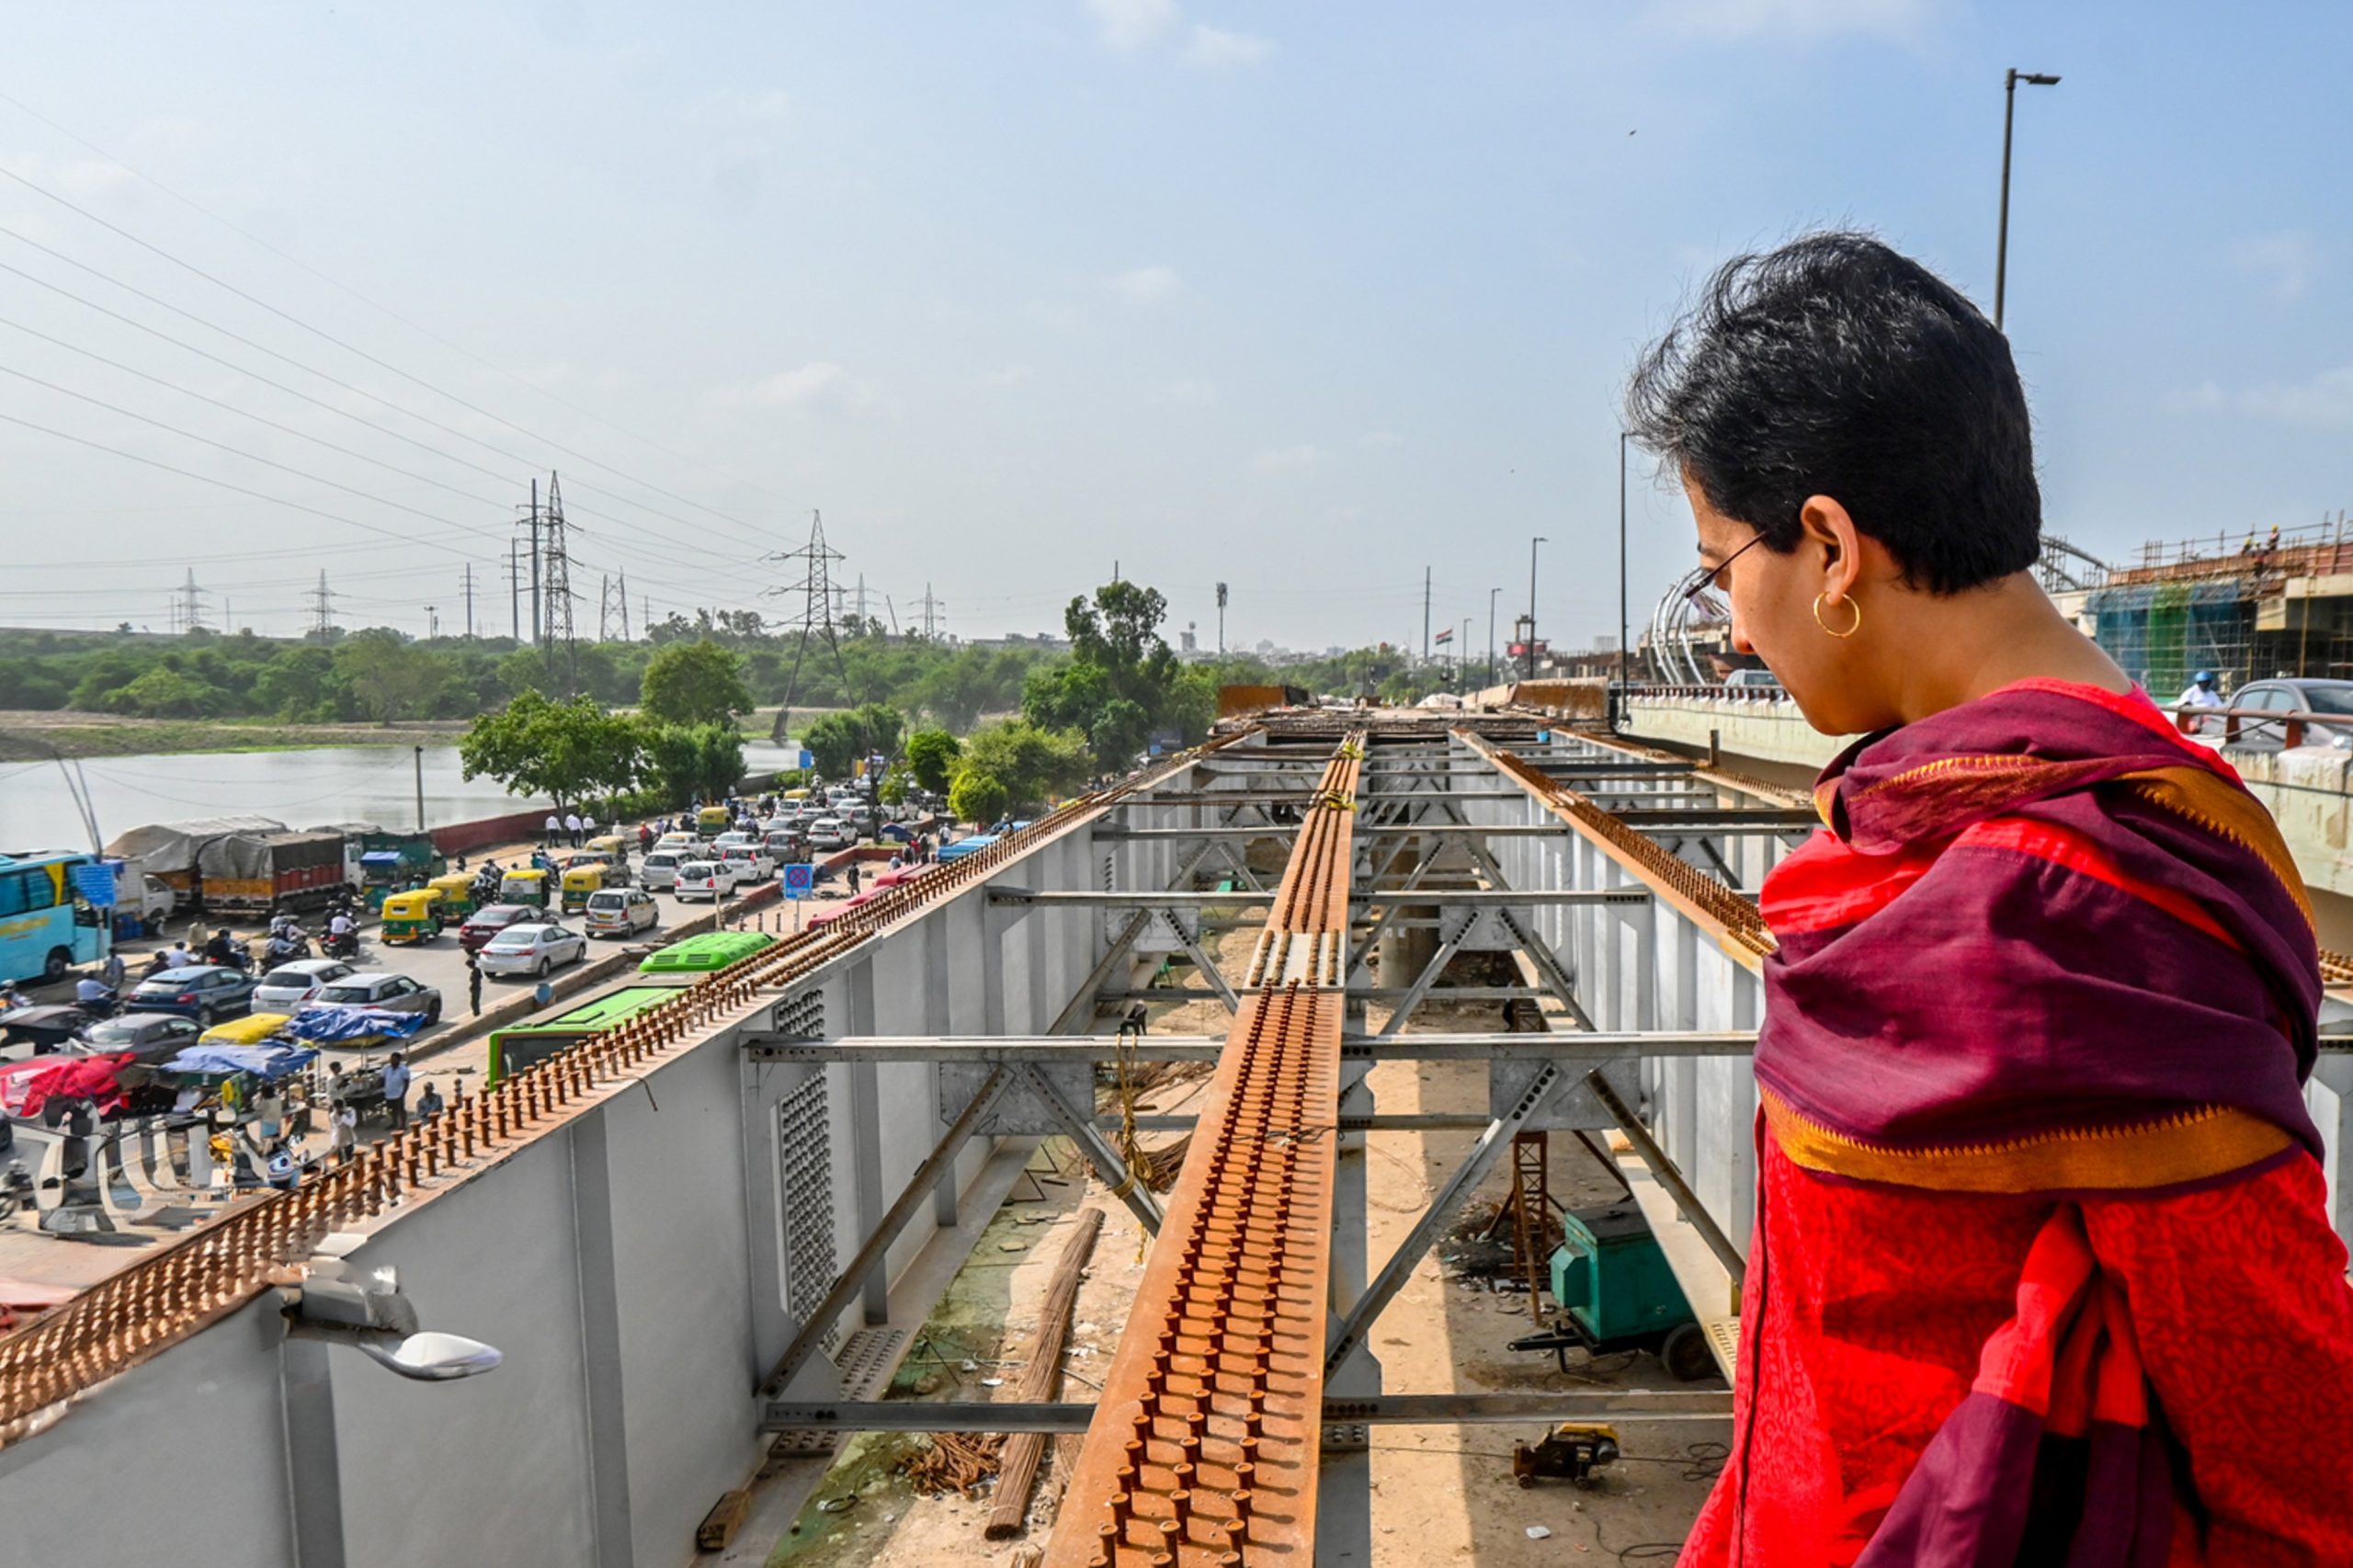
(300, 788)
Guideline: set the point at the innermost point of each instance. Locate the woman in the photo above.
(2041, 1270)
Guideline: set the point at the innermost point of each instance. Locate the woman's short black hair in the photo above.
(1835, 367)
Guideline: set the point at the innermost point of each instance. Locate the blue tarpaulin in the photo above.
(264, 1060)
(329, 1026)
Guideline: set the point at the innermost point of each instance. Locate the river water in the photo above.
(300, 788)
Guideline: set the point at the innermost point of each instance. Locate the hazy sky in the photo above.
(1304, 298)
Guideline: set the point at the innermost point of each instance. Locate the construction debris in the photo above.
(953, 1461)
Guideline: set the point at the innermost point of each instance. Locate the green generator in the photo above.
(1616, 1292)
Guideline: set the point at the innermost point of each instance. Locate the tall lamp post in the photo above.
(1492, 594)
(1624, 665)
(2010, 80)
(1527, 650)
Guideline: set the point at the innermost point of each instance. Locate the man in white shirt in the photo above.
(2201, 694)
(396, 1091)
(572, 827)
(554, 827)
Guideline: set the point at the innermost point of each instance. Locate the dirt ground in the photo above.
(1442, 1494)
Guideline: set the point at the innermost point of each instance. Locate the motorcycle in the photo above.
(346, 946)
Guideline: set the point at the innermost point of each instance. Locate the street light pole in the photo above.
(1527, 650)
(1492, 593)
(2010, 80)
(1623, 653)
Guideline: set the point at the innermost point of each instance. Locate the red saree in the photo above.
(2041, 1272)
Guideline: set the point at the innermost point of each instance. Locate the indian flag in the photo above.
(1445, 636)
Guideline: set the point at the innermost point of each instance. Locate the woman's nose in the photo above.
(1740, 642)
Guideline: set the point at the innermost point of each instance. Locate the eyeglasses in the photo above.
(1703, 578)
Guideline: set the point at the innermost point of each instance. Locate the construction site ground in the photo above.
(1440, 1494)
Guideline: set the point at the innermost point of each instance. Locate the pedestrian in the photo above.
(587, 826)
(853, 879)
(269, 1110)
(396, 1090)
(644, 838)
(542, 994)
(473, 983)
(336, 1086)
(429, 1103)
(111, 972)
(572, 827)
(343, 1131)
(555, 826)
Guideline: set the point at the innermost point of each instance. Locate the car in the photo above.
(2250, 731)
(660, 869)
(753, 862)
(206, 993)
(1753, 680)
(491, 919)
(714, 880)
(290, 985)
(784, 845)
(384, 991)
(734, 841)
(532, 947)
(831, 833)
(622, 912)
(151, 1037)
(670, 841)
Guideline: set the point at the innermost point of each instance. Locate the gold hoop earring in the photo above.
(1855, 605)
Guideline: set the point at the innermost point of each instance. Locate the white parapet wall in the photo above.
(1752, 728)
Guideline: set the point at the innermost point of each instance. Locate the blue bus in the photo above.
(47, 921)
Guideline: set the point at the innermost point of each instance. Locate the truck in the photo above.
(267, 872)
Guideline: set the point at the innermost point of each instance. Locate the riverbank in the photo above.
(36, 737)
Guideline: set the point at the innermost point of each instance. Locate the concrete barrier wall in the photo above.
(631, 1266)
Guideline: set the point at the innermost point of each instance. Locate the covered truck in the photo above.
(237, 864)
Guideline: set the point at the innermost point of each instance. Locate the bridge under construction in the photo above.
(701, 1244)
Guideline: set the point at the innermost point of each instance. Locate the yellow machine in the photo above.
(413, 917)
(579, 883)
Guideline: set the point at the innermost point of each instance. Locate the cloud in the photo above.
(1194, 393)
(1129, 25)
(2285, 262)
(1731, 21)
(1060, 315)
(1218, 50)
(819, 387)
(1304, 458)
(2324, 400)
(1380, 439)
(734, 103)
(1144, 285)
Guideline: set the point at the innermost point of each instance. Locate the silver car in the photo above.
(660, 869)
(532, 947)
(385, 992)
(290, 985)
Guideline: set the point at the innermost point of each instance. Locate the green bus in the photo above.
(514, 1049)
(701, 954)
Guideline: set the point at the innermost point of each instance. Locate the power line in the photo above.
(324, 335)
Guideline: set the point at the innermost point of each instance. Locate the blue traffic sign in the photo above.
(799, 878)
(96, 884)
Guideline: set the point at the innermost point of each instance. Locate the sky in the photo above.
(1306, 298)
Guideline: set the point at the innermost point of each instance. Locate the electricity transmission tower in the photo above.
(555, 592)
(188, 605)
(931, 608)
(815, 590)
(322, 610)
(612, 609)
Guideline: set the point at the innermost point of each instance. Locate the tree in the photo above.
(1029, 761)
(1122, 684)
(838, 741)
(978, 797)
(691, 763)
(931, 757)
(567, 752)
(392, 677)
(694, 683)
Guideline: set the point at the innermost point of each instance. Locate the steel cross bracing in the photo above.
(1205, 1444)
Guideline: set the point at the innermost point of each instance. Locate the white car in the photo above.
(531, 948)
(753, 862)
(831, 833)
(290, 985)
(622, 912)
(383, 991)
(714, 880)
(734, 841)
(678, 841)
(660, 869)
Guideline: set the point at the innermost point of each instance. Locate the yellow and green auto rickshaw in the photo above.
(525, 884)
(580, 883)
(616, 845)
(457, 891)
(712, 821)
(413, 917)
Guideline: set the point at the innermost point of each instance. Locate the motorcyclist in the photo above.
(220, 949)
(343, 935)
(92, 997)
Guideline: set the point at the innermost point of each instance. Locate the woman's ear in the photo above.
(1824, 524)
